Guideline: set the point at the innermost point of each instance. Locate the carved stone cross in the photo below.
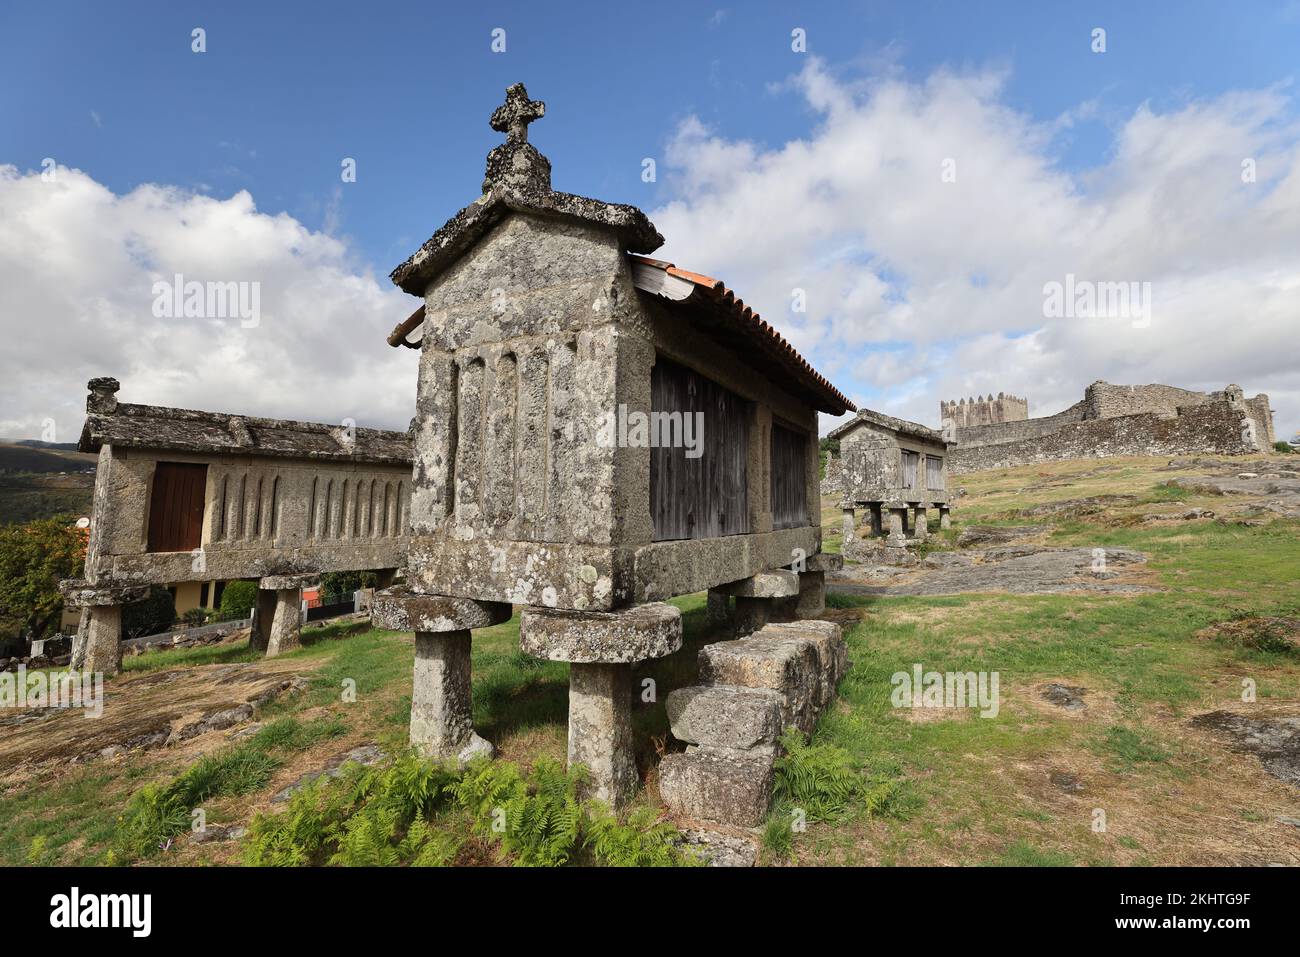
(513, 116)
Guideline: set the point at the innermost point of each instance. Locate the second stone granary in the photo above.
(896, 470)
(596, 431)
(185, 495)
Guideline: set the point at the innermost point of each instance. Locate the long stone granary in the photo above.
(183, 495)
(596, 432)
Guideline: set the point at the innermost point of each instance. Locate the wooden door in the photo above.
(176, 507)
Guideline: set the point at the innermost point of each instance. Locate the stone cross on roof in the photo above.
(513, 116)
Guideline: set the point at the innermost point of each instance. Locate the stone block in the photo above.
(400, 609)
(726, 716)
(719, 785)
(779, 583)
(587, 637)
(788, 665)
(832, 651)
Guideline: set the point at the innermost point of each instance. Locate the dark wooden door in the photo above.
(704, 496)
(789, 478)
(176, 507)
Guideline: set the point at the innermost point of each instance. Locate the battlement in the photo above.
(983, 410)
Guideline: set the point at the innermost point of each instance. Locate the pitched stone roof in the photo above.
(518, 179)
(109, 422)
(902, 426)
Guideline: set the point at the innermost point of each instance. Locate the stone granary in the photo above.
(891, 467)
(182, 495)
(596, 432)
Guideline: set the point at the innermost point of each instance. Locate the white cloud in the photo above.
(77, 267)
(920, 289)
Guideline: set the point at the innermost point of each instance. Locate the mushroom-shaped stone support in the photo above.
(601, 648)
(98, 647)
(757, 596)
(442, 706)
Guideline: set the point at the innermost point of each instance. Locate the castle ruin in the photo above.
(1110, 420)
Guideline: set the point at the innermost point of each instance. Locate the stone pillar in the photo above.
(945, 521)
(601, 648)
(98, 645)
(719, 608)
(849, 524)
(259, 636)
(442, 705)
(101, 647)
(285, 633)
(877, 528)
(896, 537)
(600, 728)
(922, 522)
(757, 595)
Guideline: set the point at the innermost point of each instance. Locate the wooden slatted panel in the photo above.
(176, 507)
(704, 497)
(909, 469)
(933, 472)
(789, 478)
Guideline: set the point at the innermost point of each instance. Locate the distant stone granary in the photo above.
(596, 432)
(183, 495)
(1115, 420)
(891, 467)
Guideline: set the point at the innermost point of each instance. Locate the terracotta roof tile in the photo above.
(717, 291)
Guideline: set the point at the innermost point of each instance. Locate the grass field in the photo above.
(1030, 786)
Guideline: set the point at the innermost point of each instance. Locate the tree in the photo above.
(237, 600)
(34, 558)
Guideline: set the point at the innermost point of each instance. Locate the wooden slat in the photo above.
(176, 507)
(789, 478)
(703, 497)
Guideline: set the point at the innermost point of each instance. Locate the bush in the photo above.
(195, 617)
(1284, 447)
(341, 583)
(237, 600)
(150, 615)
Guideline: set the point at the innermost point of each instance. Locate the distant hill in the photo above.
(43, 457)
(43, 479)
(38, 444)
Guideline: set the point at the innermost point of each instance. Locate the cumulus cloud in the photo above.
(78, 265)
(922, 286)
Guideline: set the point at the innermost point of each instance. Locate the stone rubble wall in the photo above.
(1212, 427)
(752, 689)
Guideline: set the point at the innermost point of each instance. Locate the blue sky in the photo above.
(286, 91)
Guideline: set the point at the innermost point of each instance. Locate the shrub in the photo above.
(237, 600)
(1284, 447)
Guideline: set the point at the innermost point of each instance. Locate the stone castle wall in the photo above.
(1208, 427)
(1193, 422)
